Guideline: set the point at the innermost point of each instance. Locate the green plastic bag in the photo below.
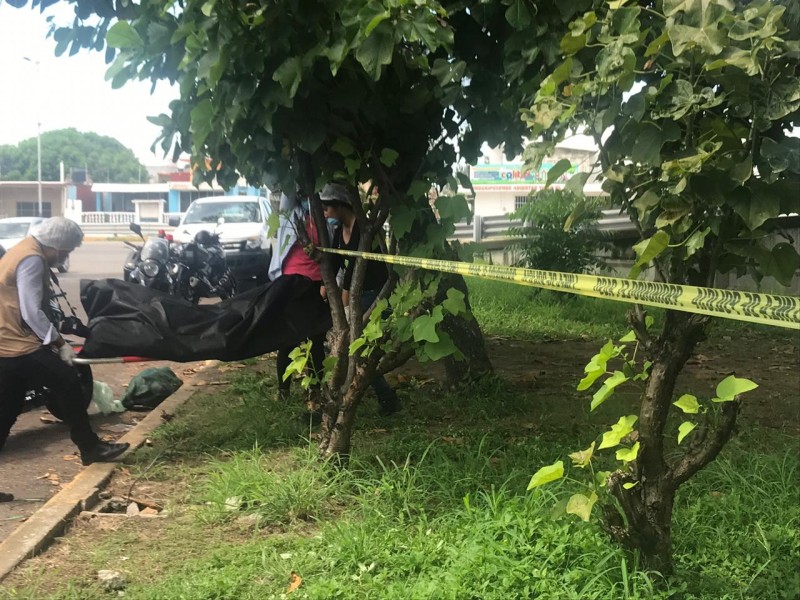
(150, 388)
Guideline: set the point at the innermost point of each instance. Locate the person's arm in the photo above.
(355, 239)
(30, 273)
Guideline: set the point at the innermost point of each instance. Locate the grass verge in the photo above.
(433, 504)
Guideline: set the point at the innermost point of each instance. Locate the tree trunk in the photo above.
(464, 331)
(467, 337)
(647, 507)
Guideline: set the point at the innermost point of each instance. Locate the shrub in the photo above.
(545, 244)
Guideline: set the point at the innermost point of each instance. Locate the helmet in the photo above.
(204, 238)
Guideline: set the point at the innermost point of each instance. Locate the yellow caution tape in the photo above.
(767, 309)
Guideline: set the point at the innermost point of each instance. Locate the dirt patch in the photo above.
(554, 368)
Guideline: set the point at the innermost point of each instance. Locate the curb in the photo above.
(35, 534)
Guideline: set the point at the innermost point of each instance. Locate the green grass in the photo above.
(434, 502)
(521, 312)
(426, 510)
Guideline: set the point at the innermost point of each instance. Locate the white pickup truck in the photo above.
(242, 225)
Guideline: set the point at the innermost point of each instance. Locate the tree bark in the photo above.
(467, 337)
(647, 507)
(464, 331)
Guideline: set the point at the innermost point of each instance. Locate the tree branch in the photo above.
(719, 435)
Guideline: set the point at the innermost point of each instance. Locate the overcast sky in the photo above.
(68, 91)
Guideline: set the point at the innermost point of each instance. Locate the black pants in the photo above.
(44, 368)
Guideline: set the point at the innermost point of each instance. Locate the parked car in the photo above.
(242, 225)
(15, 229)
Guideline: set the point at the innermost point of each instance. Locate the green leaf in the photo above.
(582, 458)
(122, 35)
(401, 220)
(389, 157)
(376, 20)
(356, 344)
(688, 404)
(577, 212)
(425, 329)
(685, 429)
(647, 149)
(605, 391)
(557, 170)
(202, 124)
(439, 350)
(732, 386)
(547, 474)
(626, 455)
(618, 431)
(630, 485)
(601, 478)
(376, 51)
(756, 209)
(576, 183)
(590, 377)
(628, 337)
(696, 241)
(289, 74)
(581, 505)
(343, 146)
(454, 304)
(647, 250)
(518, 14)
(645, 203)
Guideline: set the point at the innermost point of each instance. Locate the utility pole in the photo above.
(38, 137)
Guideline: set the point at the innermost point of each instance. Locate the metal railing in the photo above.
(495, 228)
(107, 217)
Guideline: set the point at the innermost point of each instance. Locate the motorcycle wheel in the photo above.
(45, 397)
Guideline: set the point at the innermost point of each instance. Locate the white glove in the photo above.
(66, 353)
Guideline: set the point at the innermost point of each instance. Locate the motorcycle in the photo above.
(152, 264)
(203, 271)
(40, 396)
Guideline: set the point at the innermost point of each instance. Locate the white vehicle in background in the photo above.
(16, 229)
(241, 222)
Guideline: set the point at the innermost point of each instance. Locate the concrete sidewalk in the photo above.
(38, 531)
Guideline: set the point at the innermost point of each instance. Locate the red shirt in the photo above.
(297, 262)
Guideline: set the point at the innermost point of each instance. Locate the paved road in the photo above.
(39, 458)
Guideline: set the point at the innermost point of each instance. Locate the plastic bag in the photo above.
(103, 399)
(150, 388)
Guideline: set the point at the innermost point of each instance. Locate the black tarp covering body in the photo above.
(126, 319)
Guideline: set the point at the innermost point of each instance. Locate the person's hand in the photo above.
(323, 292)
(66, 353)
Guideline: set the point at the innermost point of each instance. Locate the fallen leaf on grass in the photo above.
(294, 582)
(49, 420)
(377, 431)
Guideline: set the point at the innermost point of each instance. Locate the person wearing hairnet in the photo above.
(32, 351)
(338, 201)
